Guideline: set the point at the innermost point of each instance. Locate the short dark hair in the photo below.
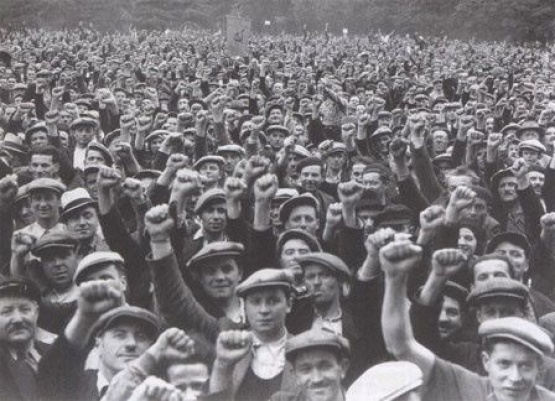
(492, 256)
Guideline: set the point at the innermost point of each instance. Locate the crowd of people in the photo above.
(325, 218)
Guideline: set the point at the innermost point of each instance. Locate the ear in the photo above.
(56, 167)
(123, 281)
(345, 288)
(485, 360)
(344, 367)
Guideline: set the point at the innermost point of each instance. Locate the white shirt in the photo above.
(79, 158)
(268, 358)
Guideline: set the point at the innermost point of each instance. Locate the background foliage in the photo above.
(490, 19)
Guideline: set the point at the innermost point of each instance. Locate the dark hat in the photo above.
(279, 128)
(40, 126)
(54, 241)
(103, 150)
(443, 158)
(309, 161)
(126, 312)
(88, 121)
(499, 175)
(274, 106)
(92, 260)
(48, 184)
(305, 199)
(296, 233)
(16, 287)
(532, 144)
(510, 127)
(198, 101)
(209, 159)
(74, 200)
(282, 194)
(394, 214)
(13, 147)
(111, 136)
(84, 102)
(530, 125)
(159, 133)
(217, 249)
(265, 278)
(510, 237)
(300, 151)
(327, 260)
(498, 287)
(207, 197)
(231, 148)
(380, 132)
(316, 338)
(520, 331)
(455, 291)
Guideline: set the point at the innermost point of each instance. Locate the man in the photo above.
(311, 177)
(80, 216)
(20, 352)
(320, 360)
(45, 162)
(232, 154)
(211, 169)
(84, 130)
(302, 212)
(510, 343)
(375, 179)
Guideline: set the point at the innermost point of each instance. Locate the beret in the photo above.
(217, 249)
(35, 128)
(10, 287)
(89, 262)
(280, 128)
(498, 287)
(394, 214)
(83, 121)
(302, 235)
(103, 150)
(496, 178)
(332, 262)
(110, 318)
(265, 278)
(54, 240)
(209, 159)
(309, 161)
(520, 331)
(46, 183)
(510, 237)
(386, 382)
(316, 338)
(75, 199)
(381, 131)
(305, 199)
(209, 196)
(232, 148)
(532, 144)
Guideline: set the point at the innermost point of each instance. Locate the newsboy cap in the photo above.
(265, 278)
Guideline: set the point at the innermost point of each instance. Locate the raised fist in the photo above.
(132, 189)
(234, 188)
(461, 198)
(378, 239)
(8, 188)
(187, 183)
(265, 188)
(108, 178)
(334, 215)
(399, 258)
(363, 120)
(173, 345)
(176, 161)
(153, 389)
(159, 223)
(398, 147)
(51, 117)
(99, 296)
(22, 243)
(232, 346)
(447, 261)
(126, 121)
(494, 140)
(432, 217)
(256, 166)
(519, 168)
(350, 193)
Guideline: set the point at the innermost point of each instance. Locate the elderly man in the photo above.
(509, 343)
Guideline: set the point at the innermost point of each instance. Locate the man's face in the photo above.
(276, 139)
(476, 212)
(58, 265)
(319, 373)
(516, 255)
(292, 164)
(45, 203)
(530, 134)
(39, 139)
(18, 320)
(530, 156)
(83, 134)
(122, 344)
(537, 180)
(512, 370)
(42, 166)
(374, 183)
(489, 269)
(90, 184)
(450, 318)
(303, 217)
(507, 189)
(549, 137)
(383, 144)
(220, 277)
(311, 178)
(95, 158)
(275, 117)
(210, 172)
(190, 378)
(83, 223)
(440, 140)
(467, 241)
(496, 308)
(356, 172)
(231, 160)
(335, 161)
(323, 284)
(266, 309)
(214, 217)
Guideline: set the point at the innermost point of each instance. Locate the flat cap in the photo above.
(46, 183)
(386, 382)
(40, 126)
(327, 260)
(147, 173)
(300, 151)
(265, 278)
(217, 249)
(207, 197)
(103, 151)
(232, 148)
(532, 144)
(381, 131)
(282, 194)
(83, 120)
(316, 338)
(496, 178)
(520, 331)
(92, 260)
(209, 159)
(16, 287)
(510, 127)
(455, 291)
(309, 161)
(394, 214)
(75, 199)
(126, 312)
(305, 199)
(111, 136)
(54, 240)
(530, 125)
(302, 235)
(510, 237)
(498, 287)
(279, 128)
